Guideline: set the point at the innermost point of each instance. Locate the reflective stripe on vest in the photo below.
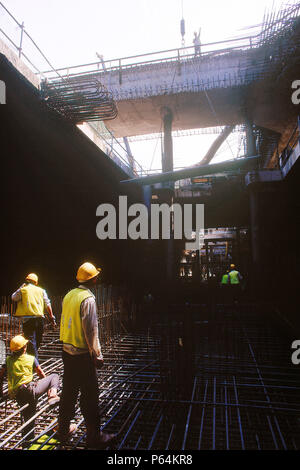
(32, 303)
(234, 277)
(70, 325)
(19, 371)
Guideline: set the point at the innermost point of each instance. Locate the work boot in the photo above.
(53, 398)
(64, 437)
(101, 441)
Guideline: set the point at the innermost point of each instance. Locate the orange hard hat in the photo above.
(17, 342)
(32, 277)
(86, 272)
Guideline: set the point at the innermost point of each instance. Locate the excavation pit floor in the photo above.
(218, 378)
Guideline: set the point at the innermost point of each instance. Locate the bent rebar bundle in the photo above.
(80, 99)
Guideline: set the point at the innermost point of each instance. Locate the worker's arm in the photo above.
(89, 318)
(2, 375)
(38, 369)
(49, 308)
(40, 372)
(17, 296)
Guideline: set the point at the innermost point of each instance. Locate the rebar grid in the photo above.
(198, 378)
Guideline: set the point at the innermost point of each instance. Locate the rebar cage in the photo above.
(191, 378)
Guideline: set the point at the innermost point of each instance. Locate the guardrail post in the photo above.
(120, 72)
(179, 63)
(21, 40)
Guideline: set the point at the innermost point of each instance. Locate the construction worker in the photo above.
(234, 280)
(224, 280)
(197, 43)
(19, 369)
(32, 301)
(81, 357)
(224, 286)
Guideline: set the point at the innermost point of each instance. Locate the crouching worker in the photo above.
(19, 369)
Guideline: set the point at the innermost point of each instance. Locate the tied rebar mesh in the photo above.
(80, 100)
(193, 377)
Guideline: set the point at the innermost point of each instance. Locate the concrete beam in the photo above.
(230, 165)
(216, 145)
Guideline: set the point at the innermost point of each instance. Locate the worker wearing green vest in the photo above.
(224, 287)
(19, 369)
(32, 301)
(224, 280)
(234, 281)
(81, 357)
(234, 277)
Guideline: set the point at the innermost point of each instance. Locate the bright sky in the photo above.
(69, 32)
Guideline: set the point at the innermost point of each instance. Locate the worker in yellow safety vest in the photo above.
(234, 277)
(32, 301)
(19, 369)
(234, 280)
(81, 357)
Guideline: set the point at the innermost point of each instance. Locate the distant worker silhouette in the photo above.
(197, 43)
(224, 286)
(234, 281)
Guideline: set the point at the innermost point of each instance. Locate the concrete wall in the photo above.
(19, 64)
(53, 179)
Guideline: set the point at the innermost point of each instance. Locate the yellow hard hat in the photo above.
(86, 272)
(32, 277)
(232, 266)
(17, 342)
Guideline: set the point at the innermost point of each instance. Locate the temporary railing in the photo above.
(117, 152)
(23, 43)
(169, 55)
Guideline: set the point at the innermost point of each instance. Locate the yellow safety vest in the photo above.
(19, 371)
(234, 277)
(70, 325)
(32, 303)
(224, 279)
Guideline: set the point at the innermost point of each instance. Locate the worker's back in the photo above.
(70, 327)
(32, 302)
(19, 371)
(234, 277)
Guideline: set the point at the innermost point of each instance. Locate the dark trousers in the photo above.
(33, 330)
(234, 292)
(79, 376)
(29, 394)
(223, 293)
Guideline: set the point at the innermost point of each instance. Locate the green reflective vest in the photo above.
(224, 279)
(32, 303)
(234, 277)
(19, 371)
(70, 325)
